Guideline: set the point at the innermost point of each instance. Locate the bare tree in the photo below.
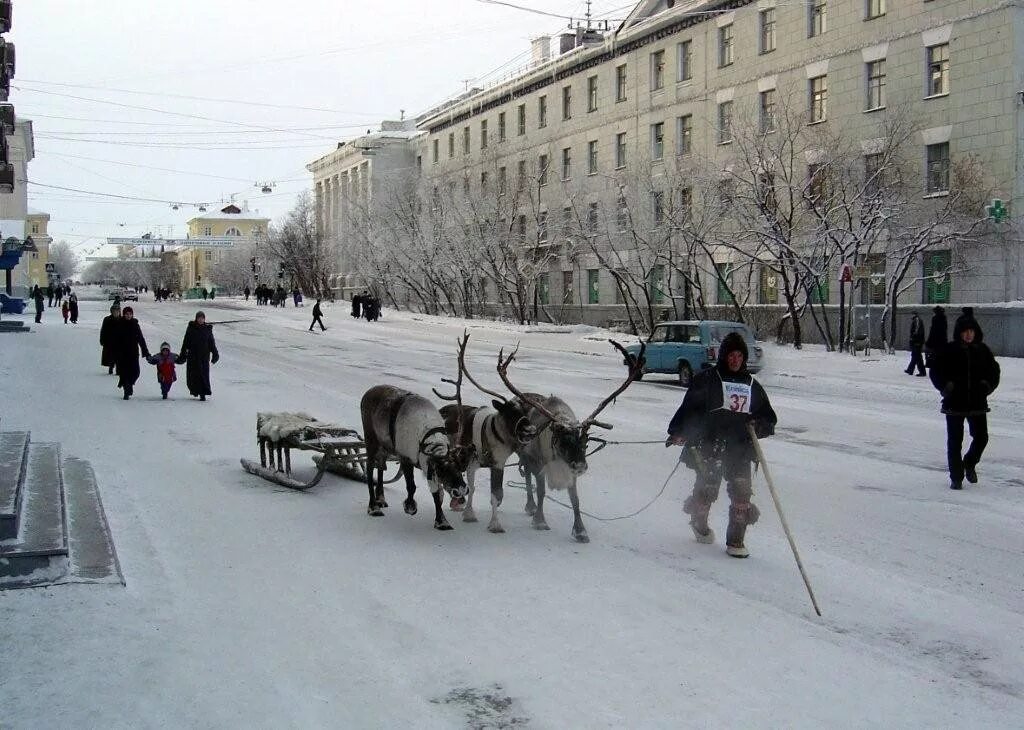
(298, 244)
(64, 258)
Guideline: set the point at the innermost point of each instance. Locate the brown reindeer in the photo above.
(558, 456)
(408, 426)
(488, 435)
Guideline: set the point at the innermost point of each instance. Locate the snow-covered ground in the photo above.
(248, 605)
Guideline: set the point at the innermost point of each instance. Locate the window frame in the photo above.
(726, 46)
(817, 18)
(684, 134)
(592, 157)
(521, 120)
(766, 106)
(566, 103)
(592, 93)
(684, 61)
(817, 99)
(874, 9)
(658, 141)
(943, 75)
(657, 70)
(766, 31)
(621, 82)
(620, 150)
(940, 165)
(875, 82)
(566, 163)
(725, 117)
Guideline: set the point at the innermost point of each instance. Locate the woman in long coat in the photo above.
(128, 342)
(198, 351)
(108, 358)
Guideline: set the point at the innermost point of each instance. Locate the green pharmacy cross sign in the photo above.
(997, 211)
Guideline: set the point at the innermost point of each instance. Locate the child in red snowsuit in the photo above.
(65, 309)
(165, 374)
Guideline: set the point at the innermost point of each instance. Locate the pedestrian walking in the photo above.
(357, 302)
(49, 294)
(65, 310)
(108, 329)
(128, 343)
(73, 307)
(711, 426)
(247, 291)
(916, 346)
(966, 373)
(937, 335)
(37, 296)
(165, 371)
(317, 314)
(198, 351)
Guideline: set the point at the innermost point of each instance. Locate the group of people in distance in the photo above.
(122, 344)
(66, 299)
(725, 408)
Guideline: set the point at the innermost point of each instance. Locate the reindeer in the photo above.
(403, 424)
(489, 435)
(559, 453)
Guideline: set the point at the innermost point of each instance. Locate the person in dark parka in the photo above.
(937, 335)
(916, 345)
(711, 425)
(37, 296)
(198, 351)
(128, 343)
(357, 303)
(108, 357)
(73, 307)
(317, 317)
(966, 373)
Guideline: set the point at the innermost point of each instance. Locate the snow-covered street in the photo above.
(249, 605)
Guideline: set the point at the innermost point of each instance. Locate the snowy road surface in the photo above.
(248, 605)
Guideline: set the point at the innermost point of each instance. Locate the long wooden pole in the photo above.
(782, 517)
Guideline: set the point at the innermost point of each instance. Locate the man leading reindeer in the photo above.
(711, 426)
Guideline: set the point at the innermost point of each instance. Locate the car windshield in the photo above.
(719, 331)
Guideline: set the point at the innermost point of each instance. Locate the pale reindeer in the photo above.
(405, 425)
(489, 435)
(558, 456)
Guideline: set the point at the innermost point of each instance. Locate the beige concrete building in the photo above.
(233, 221)
(14, 206)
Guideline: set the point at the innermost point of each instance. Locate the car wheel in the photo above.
(685, 374)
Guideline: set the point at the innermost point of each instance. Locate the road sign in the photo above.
(206, 242)
(50, 268)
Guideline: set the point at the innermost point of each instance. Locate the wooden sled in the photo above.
(339, 450)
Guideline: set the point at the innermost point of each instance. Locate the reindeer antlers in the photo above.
(503, 364)
(636, 365)
(457, 383)
(464, 370)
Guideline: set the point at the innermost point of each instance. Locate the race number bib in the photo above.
(736, 397)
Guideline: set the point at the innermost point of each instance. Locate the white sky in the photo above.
(348, 57)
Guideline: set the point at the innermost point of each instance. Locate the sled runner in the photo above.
(339, 450)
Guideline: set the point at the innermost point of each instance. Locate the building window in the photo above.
(816, 184)
(544, 289)
(656, 283)
(566, 102)
(875, 9)
(521, 117)
(725, 122)
(502, 180)
(684, 61)
(593, 287)
(592, 94)
(938, 70)
(725, 46)
(872, 175)
(723, 282)
(484, 182)
(483, 134)
(622, 214)
(542, 227)
(35, 228)
(436, 153)
(657, 70)
(566, 163)
(657, 141)
(876, 84)
(592, 216)
(768, 289)
(938, 277)
(501, 127)
(684, 134)
(521, 175)
(658, 207)
(208, 255)
(451, 144)
(465, 186)
(567, 220)
(542, 112)
(620, 150)
(567, 287)
(685, 199)
(592, 157)
(766, 111)
(620, 83)
(767, 35)
(521, 228)
(938, 168)
(207, 231)
(818, 19)
(542, 170)
(819, 98)
(465, 140)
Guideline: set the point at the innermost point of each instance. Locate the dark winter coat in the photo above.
(128, 343)
(938, 334)
(73, 308)
(107, 340)
(706, 421)
(317, 312)
(965, 374)
(916, 333)
(198, 350)
(37, 295)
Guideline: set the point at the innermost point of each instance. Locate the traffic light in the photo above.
(253, 262)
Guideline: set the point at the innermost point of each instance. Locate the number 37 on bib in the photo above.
(736, 397)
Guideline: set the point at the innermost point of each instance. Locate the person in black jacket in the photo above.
(108, 356)
(937, 335)
(966, 373)
(37, 295)
(128, 342)
(711, 425)
(198, 351)
(916, 345)
(317, 314)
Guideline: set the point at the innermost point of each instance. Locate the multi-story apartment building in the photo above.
(14, 206)
(627, 113)
(195, 262)
(352, 180)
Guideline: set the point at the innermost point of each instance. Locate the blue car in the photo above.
(684, 348)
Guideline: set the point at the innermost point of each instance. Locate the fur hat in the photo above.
(732, 342)
(127, 310)
(939, 310)
(966, 321)
(164, 346)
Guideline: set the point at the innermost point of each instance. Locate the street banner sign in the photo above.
(206, 242)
